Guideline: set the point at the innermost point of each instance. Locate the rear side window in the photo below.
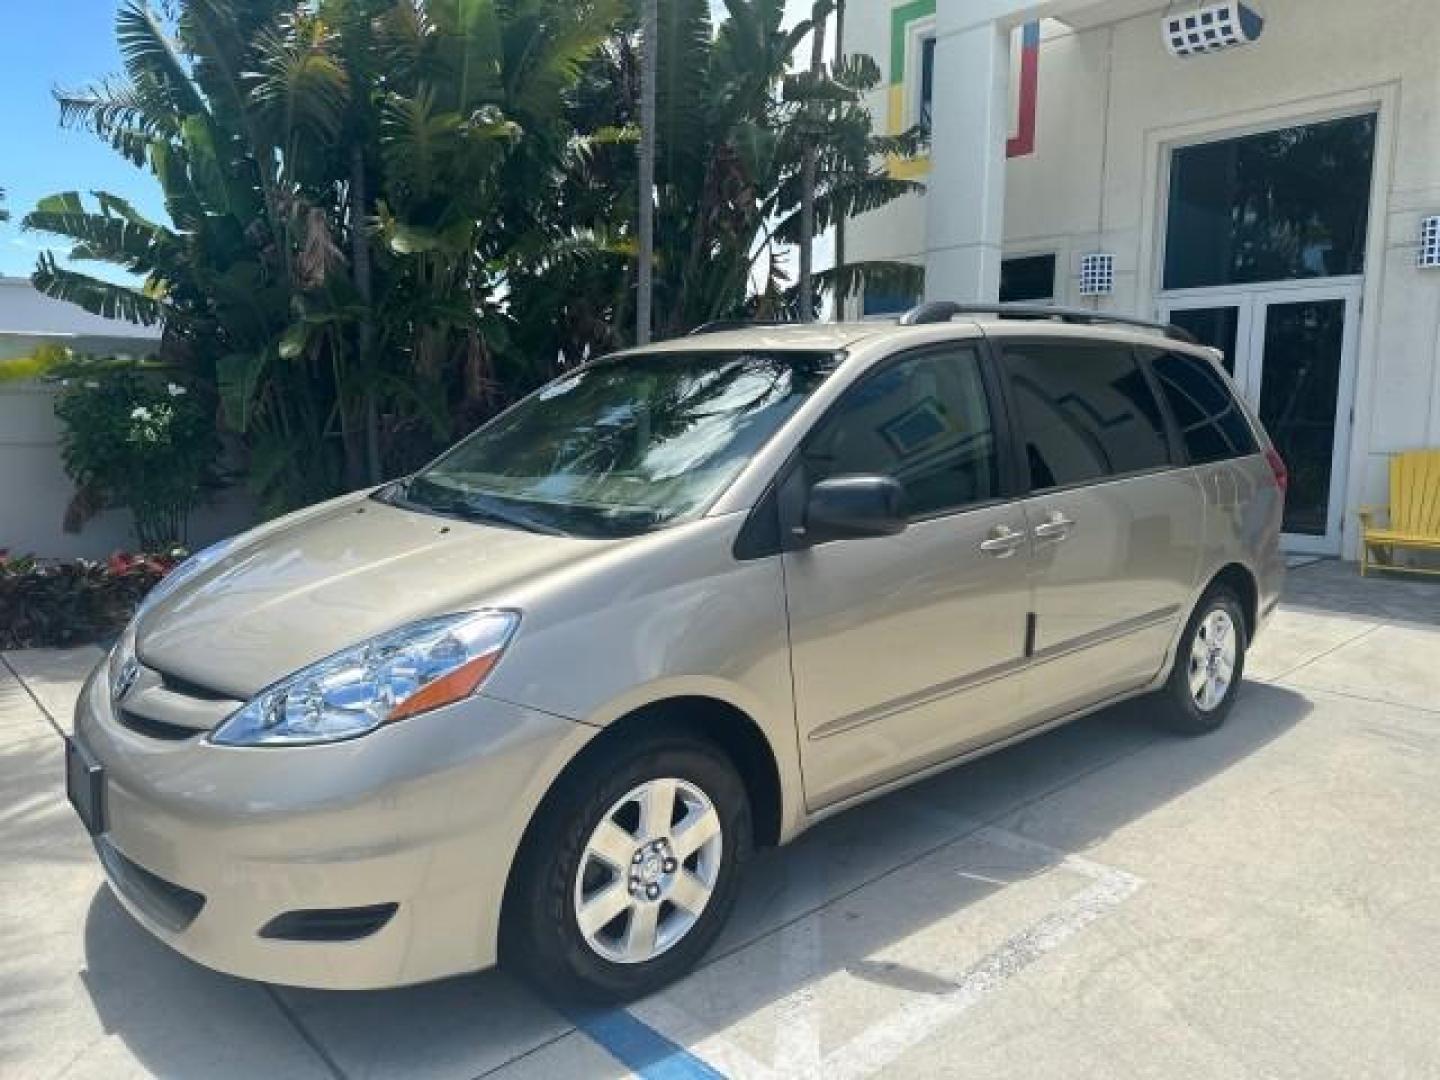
(924, 421)
(1086, 413)
(1210, 419)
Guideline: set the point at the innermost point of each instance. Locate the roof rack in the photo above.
(939, 311)
(717, 326)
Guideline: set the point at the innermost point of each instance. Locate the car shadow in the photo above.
(1076, 786)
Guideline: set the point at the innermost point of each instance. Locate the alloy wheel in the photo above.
(648, 870)
(1212, 660)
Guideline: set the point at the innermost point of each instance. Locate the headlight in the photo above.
(408, 671)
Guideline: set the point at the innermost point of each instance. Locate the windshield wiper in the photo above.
(487, 509)
(438, 500)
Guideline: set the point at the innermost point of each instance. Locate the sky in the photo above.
(69, 43)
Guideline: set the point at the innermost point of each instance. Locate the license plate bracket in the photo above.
(85, 786)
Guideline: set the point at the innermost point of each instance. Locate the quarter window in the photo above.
(1210, 419)
(1086, 413)
(924, 421)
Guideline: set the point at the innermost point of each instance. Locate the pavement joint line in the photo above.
(1428, 710)
(1321, 656)
(49, 719)
(306, 1036)
(545, 1045)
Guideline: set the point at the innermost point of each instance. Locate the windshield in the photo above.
(623, 446)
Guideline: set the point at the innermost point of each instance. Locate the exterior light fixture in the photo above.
(1097, 274)
(1429, 244)
(1211, 29)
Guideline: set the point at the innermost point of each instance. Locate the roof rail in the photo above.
(717, 326)
(939, 311)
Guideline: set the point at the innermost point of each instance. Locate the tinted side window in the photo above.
(1086, 412)
(1205, 409)
(925, 422)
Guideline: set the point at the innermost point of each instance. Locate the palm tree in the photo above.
(4, 214)
(350, 183)
(732, 127)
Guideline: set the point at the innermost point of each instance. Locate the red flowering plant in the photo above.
(53, 602)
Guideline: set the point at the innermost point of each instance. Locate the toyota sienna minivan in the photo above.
(537, 703)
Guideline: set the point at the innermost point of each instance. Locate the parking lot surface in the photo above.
(1102, 901)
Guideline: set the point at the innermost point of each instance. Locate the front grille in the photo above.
(176, 685)
(172, 906)
(155, 729)
(329, 924)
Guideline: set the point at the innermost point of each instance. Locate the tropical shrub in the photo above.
(140, 443)
(62, 603)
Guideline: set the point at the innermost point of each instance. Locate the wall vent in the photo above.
(1097, 274)
(1211, 29)
(1430, 243)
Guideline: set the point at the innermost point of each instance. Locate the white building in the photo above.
(1269, 196)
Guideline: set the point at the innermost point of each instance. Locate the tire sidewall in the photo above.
(553, 951)
(1187, 716)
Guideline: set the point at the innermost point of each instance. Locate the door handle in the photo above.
(1004, 542)
(1056, 527)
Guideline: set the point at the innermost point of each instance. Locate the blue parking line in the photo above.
(639, 1047)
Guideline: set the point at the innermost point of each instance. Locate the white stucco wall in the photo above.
(1113, 101)
(34, 490)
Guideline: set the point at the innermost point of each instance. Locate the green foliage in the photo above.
(134, 441)
(58, 604)
(389, 218)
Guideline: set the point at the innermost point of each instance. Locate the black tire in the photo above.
(542, 941)
(1179, 711)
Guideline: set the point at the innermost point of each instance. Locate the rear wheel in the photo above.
(1209, 665)
(631, 872)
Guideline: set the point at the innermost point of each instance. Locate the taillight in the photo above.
(1277, 466)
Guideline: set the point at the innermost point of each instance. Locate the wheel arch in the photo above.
(1242, 582)
(719, 722)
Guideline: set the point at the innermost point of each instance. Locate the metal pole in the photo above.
(649, 61)
(807, 173)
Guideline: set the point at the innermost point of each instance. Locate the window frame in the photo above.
(1178, 458)
(789, 488)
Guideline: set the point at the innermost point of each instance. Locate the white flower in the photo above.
(175, 389)
(64, 382)
(140, 412)
(91, 384)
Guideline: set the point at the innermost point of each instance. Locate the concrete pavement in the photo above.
(1101, 901)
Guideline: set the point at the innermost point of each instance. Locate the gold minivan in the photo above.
(538, 702)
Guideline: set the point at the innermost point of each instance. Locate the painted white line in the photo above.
(798, 1050)
(885, 1043)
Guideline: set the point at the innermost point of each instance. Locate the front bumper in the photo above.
(425, 815)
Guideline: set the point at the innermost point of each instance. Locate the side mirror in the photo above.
(850, 507)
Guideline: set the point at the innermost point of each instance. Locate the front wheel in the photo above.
(1209, 665)
(629, 875)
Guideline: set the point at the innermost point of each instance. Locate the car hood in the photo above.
(303, 588)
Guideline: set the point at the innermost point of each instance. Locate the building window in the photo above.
(1027, 279)
(1272, 207)
(927, 81)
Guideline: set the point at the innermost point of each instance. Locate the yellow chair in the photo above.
(1413, 514)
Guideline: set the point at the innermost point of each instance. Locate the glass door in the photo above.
(1290, 350)
(1302, 379)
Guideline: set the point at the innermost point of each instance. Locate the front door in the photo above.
(1291, 351)
(904, 647)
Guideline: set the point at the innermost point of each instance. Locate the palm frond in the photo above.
(95, 295)
(150, 55)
